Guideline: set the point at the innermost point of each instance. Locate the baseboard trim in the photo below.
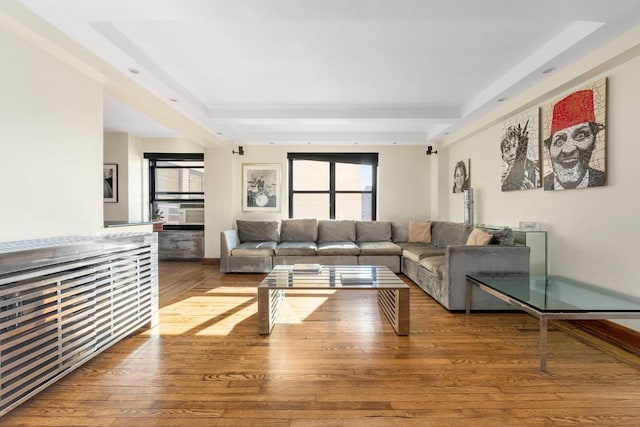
(613, 333)
(210, 261)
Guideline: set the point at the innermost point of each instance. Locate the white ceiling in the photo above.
(333, 71)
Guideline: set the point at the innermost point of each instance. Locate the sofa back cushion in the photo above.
(336, 231)
(373, 231)
(399, 232)
(257, 231)
(420, 232)
(299, 230)
(445, 234)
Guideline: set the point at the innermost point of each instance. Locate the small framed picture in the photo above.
(261, 187)
(110, 183)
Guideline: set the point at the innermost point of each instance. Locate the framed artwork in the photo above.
(110, 182)
(261, 184)
(574, 132)
(520, 151)
(461, 175)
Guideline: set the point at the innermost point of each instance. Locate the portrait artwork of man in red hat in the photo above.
(571, 143)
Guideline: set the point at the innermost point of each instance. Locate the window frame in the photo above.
(153, 159)
(370, 159)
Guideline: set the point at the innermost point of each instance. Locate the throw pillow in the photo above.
(502, 236)
(420, 232)
(478, 238)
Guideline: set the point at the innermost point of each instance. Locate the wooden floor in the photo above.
(335, 361)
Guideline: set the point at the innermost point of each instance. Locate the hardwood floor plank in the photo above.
(335, 361)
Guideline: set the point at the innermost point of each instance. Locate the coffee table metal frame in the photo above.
(393, 293)
(543, 316)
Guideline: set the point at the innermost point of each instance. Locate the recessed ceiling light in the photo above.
(133, 70)
(502, 99)
(548, 70)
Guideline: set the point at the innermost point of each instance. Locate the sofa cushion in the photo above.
(399, 232)
(299, 230)
(373, 231)
(420, 231)
(445, 234)
(434, 264)
(254, 249)
(479, 238)
(338, 248)
(417, 251)
(502, 236)
(297, 248)
(336, 231)
(379, 248)
(257, 231)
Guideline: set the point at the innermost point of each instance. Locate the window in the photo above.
(176, 189)
(333, 185)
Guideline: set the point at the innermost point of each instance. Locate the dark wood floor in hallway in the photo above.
(335, 361)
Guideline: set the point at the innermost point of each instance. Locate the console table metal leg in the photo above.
(543, 344)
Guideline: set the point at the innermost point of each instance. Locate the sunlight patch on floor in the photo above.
(228, 306)
(233, 290)
(226, 324)
(295, 310)
(223, 313)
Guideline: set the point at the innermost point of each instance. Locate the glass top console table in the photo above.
(554, 297)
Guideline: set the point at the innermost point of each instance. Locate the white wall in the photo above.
(170, 145)
(135, 173)
(51, 162)
(221, 174)
(116, 150)
(592, 232)
(127, 152)
(404, 192)
(403, 181)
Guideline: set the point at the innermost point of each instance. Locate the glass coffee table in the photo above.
(554, 297)
(393, 293)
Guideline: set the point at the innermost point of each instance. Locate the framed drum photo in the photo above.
(261, 187)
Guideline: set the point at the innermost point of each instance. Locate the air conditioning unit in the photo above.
(191, 213)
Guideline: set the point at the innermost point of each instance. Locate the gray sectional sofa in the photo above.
(435, 255)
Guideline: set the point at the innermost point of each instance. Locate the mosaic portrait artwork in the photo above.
(520, 151)
(461, 175)
(574, 132)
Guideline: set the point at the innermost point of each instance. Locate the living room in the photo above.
(55, 147)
